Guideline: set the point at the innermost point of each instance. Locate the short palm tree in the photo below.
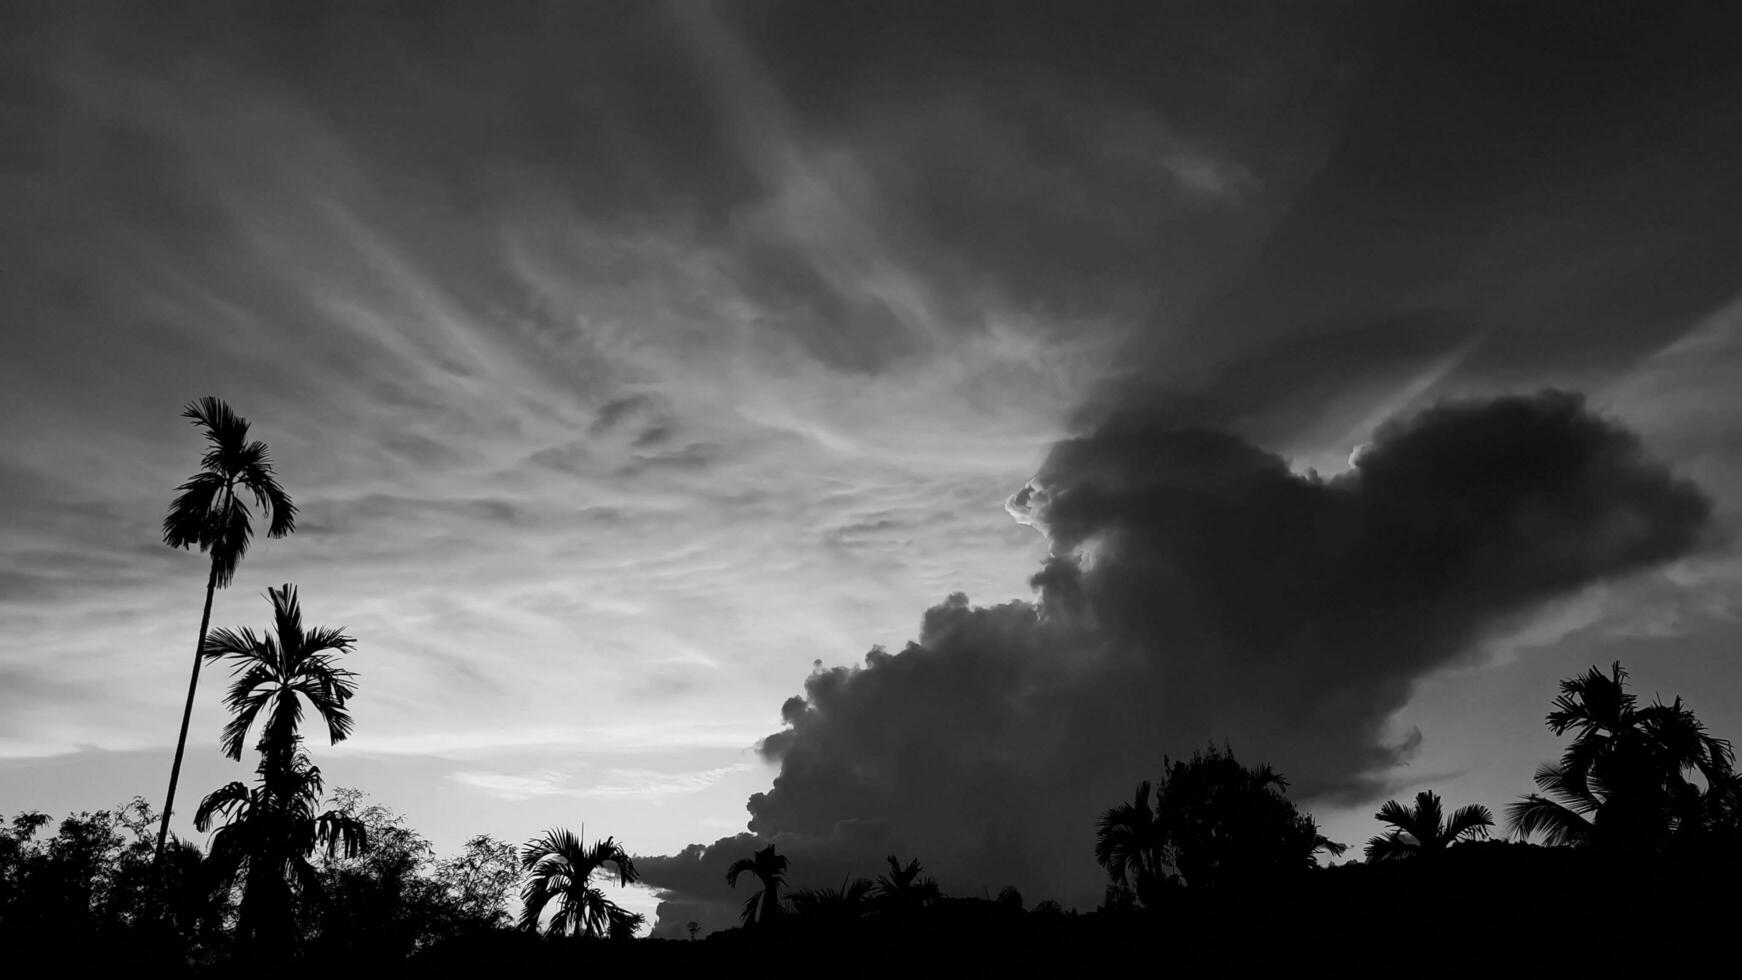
(833, 906)
(210, 512)
(270, 831)
(562, 874)
(1424, 829)
(1131, 844)
(1625, 780)
(770, 871)
(903, 888)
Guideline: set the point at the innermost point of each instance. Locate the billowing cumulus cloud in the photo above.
(1199, 589)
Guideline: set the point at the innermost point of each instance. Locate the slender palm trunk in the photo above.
(187, 712)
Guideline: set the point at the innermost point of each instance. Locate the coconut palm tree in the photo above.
(1131, 844)
(561, 873)
(1423, 829)
(1626, 779)
(210, 512)
(770, 870)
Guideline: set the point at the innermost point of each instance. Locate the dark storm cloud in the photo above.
(1200, 589)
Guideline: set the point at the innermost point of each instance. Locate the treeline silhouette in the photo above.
(1211, 869)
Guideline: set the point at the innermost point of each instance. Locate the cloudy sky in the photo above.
(1122, 377)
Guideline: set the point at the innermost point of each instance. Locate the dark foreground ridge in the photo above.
(1490, 907)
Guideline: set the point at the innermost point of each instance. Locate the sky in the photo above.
(893, 427)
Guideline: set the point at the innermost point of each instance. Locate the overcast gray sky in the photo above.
(629, 359)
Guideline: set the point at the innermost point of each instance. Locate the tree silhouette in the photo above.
(832, 906)
(902, 889)
(1625, 781)
(770, 870)
(560, 873)
(1225, 824)
(1423, 829)
(209, 512)
(478, 880)
(272, 829)
(1131, 844)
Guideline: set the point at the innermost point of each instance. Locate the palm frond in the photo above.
(535, 894)
(610, 852)
(222, 801)
(558, 843)
(1331, 847)
(223, 427)
(240, 644)
(1390, 846)
(1397, 815)
(286, 616)
(1571, 789)
(340, 835)
(256, 477)
(1592, 702)
(738, 867)
(1473, 819)
(623, 924)
(1559, 824)
(1429, 817)
(189, 522)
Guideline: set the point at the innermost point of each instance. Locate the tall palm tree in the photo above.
(1626, 778)
(1131, 844)
(272, 828)
(560, 873)
(770, 871)
(1424, 829)
(210, 512)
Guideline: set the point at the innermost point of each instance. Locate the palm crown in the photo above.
(1424, 829)
(1625, 778)
(770, 870)
(903, 888)
(275, 674)
(561, 874)
(209, 511)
